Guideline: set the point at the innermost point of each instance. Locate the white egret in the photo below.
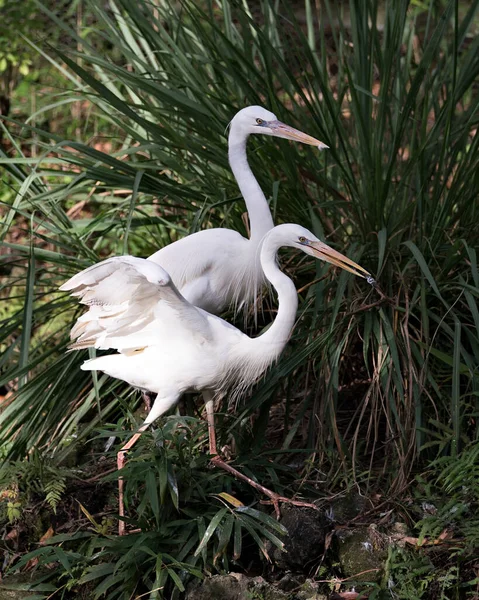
(168, 346)
(217, 268)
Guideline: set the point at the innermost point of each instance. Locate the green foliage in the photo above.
(442, 564)
(397, 186)
(36, 476)
(454, 496)
(54, 490)
(18, 20)
(377, 384)
(13, 511)
(189, 524)
(412, 577)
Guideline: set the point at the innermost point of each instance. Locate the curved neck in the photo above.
(273, 341)
(258, 210)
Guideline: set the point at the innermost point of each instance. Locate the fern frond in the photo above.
(54, 489)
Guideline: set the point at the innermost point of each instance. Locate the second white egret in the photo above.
(217, 268)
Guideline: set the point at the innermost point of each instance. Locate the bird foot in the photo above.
(275, 499)
(123, 531)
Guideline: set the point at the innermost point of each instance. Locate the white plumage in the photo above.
(169, 346)
(217, 268)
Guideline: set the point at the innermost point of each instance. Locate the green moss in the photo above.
(15, 587)
(360, 554)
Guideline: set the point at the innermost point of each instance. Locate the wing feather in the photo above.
(132, 303)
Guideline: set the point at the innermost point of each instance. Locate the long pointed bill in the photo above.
(290, 133)
(325, 252)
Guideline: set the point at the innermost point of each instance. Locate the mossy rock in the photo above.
(345, 508)
(235, 587)
(15, 587)
(219, 586)
(304, 544)
(309, 591)
(361, 553)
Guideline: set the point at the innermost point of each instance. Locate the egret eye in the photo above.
(302, 240)
(259, 121)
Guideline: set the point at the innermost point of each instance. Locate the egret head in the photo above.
(255, 119)
(300, 237)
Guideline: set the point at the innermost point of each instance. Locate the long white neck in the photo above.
(270, 344)
(259, 213)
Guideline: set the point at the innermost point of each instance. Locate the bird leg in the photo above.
(219, 462)
(210, 418)
(120, 461)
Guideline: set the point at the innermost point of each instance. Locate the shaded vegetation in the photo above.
(373, 388)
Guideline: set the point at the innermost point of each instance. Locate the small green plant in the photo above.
(37, 476)
(412, 575)
(54, 489)
(453, 496)
(13, 511)
(441, 566)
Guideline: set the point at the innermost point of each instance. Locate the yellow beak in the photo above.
(282, 130)
(325, 252)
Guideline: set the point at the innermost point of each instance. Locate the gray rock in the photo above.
(309, 591)
(345, 508)
(226, 587)
(304, 544)
(361, 553)
(14, 587)
(234, 587)
(13, 594)
(289, 582)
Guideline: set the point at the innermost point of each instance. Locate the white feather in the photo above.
(166, 344)
(218, 268)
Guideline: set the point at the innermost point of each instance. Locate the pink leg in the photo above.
(219, 462)
(120, 461)
(210, 418)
